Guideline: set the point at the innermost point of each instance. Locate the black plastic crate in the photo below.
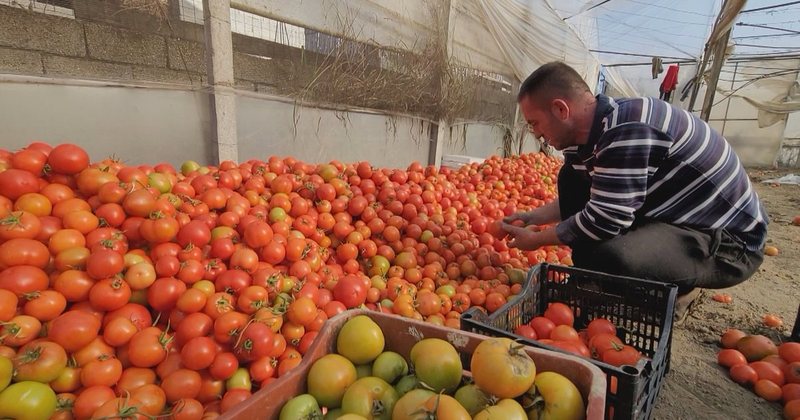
(796, 330)
(642, 310)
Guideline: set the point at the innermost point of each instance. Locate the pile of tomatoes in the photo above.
(369, 381)
(144, 290)
(598, 340)
(772, 371)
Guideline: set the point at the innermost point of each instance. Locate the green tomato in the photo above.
(239, 380)
(329, 377)
(426, 236)
(6, 372)
(363, 371)
(378, 266)
(515, 275)
(301, 407)
(360, 340)
(554, 397)
(406, 384)
(160, 182)
(189, 166)
(411, 403)
(389, 366)
(472, 398)
(437, 364)
(333, 414)
(223, 232)
(378, 282)
(204, 170)
(370, 397)
(351, 417)
(28, 400)
(506, 409)
(446, 290)
(277, 214)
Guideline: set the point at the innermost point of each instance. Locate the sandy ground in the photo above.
(696, 387)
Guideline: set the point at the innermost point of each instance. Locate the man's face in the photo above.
(550, 121)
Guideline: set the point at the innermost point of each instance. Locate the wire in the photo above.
(769, 7)
(650, 63)
(660, 18)
(768, 27)
(639, 28)
(762, 36)
(633, 54)
(767, 46)
(779, 23)
(670, 8)
(637, 42)
(604, 30)
(750, 82)
(584, 11)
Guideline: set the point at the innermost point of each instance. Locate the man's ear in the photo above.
(560, 109)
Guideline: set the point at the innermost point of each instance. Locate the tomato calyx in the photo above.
(117, 282)
(64, 404)
(378, 408)
(12, 221)
(30, 355)
(157, 214)
(126, 411)
(13, 330)
(31, 296)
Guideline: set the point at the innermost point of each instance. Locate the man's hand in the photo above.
(526, 217)
(528, 240)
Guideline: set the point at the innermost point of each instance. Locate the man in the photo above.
(647, 189)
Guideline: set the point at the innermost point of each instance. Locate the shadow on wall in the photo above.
(268, 127)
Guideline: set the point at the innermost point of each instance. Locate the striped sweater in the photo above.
(650, 160)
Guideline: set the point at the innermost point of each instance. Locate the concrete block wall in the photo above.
(107, 42)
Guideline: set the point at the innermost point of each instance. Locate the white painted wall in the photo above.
(476, 140)
(148, 126)
(268, 127)
(137, 125)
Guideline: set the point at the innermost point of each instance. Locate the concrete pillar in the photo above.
(219, 64)
(443, 134)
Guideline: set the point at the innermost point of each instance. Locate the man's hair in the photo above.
(554, 79)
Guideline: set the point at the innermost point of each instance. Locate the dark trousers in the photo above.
(689, 258)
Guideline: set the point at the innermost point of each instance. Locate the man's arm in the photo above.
(529, 240)
(625, 157)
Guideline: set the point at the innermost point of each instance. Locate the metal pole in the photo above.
(719, 60)
(728, 106)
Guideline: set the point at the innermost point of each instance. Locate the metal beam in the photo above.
(711, 89)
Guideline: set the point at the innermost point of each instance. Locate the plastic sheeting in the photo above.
(619, 86)
(394, 24)
(530, 34)
(773, 111)
(500, 36)
(770, 87)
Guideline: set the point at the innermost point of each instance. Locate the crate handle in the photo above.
(631, 370)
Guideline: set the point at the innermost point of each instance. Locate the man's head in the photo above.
(554, 101)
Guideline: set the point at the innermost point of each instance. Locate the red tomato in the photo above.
(350, 291)
(559, 313)
(16, 182)
(68, 159)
